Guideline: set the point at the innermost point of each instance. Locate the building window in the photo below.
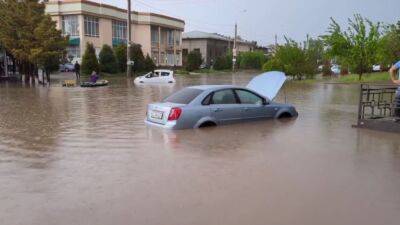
(177, 59)
(163, 38)
(170, 38)
(162, 58)
(177, 38)
(70, 25)
(154, 56)
(119, 30)
(73, 52)
(154, 35)
(91, 26)
(170, 58)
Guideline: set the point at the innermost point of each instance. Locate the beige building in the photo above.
(85, 21)
(212, 45)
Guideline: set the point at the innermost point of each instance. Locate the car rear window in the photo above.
(184, 96)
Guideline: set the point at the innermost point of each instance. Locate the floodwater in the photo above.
(84, 156)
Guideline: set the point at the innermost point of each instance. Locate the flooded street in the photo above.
(84, 156)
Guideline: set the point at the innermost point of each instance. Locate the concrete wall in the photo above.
(142, 34)
(192, 44)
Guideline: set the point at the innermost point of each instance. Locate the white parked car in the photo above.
(335, 69)
(376, 68)
(158, 76)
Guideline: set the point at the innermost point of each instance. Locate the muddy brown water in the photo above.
(84, 156)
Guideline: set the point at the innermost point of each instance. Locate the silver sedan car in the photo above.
(210, 105)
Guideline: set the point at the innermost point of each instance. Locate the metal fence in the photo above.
(377, 101)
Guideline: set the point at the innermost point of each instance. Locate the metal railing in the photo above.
(377, 101)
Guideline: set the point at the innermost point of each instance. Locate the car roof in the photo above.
(213, 87)
(168, 71)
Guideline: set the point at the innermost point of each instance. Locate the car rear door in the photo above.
(253, 105)
(225, 107)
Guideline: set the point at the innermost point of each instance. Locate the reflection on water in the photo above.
(84, 156)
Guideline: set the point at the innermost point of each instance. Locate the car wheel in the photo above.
(208, 124)
(285, 115)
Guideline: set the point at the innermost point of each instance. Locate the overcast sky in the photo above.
(260, 20)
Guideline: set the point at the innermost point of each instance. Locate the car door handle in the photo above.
(246, 109)
(218, 110)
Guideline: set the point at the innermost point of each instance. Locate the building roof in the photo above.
(54, 7)
(204, 35)
(214, 36)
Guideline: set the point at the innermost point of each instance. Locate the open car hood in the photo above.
(268, 84)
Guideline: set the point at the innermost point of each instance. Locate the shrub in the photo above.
(194, 60)
(107, 60)
(89, 60)
(326, 69)
(149, 63)
(223, 62)
(273, 65)
(120, 56)
(220, 63)
(138, 57)
(252, 60)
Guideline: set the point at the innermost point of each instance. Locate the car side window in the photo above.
(156, 74)
(224, 97)
(207, 100)
(246, 97)
(164, 74)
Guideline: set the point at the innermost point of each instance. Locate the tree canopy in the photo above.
(107, 60)
(30, 36)
(89, 60)
(356, 47)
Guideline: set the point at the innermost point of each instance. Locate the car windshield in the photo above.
(184, 96)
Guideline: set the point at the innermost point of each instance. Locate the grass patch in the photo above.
(366, 78)
(181, 72)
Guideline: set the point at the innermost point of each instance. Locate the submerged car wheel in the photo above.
(285, 115)
(208, 124)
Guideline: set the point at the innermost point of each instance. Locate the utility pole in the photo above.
(234, 50)
(128, 52)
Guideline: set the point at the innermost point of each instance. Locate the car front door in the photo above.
(253, 105)
(225, 107)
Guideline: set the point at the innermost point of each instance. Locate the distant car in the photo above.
(158, 76)
(67, 67)
(376, 68)
(335, 69)
(61, 68)
(209, 105)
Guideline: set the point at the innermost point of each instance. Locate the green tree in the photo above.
(48, 52)
(89, 60)
(273, 65)
(138, 58)
(20, 23)
(357, 46)
(315, 54)
(220, 63)
(149, 63)
(194, 60)
(389, 45)
(251, 60)
(120, 55)
(107, 60)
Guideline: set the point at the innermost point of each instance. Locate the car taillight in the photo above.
(174, 114)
